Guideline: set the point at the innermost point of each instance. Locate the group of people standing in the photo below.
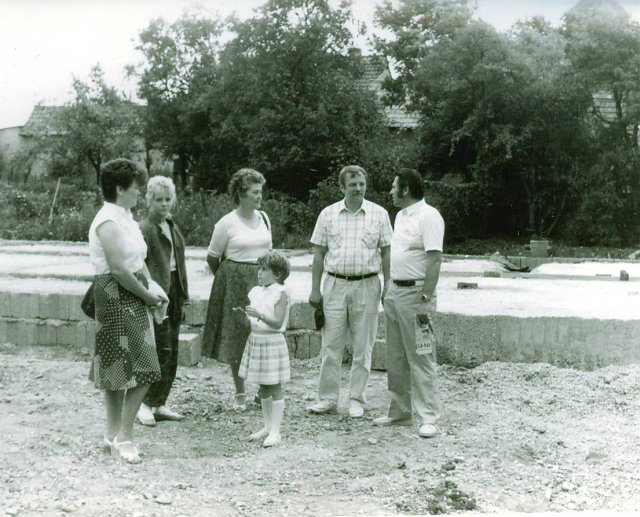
(141, 288)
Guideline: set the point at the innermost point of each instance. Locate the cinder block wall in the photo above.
(56, 319)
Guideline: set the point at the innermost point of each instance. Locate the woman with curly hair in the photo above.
(239, 238)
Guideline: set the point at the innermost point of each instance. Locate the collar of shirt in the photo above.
(118, 208)
(411, 209)
(343, 206)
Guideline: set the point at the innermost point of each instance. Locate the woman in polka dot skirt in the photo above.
(125, 362)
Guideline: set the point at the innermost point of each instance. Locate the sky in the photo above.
(46, 43)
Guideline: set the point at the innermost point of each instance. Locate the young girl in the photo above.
(266, 357)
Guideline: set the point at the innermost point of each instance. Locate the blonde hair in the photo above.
(158, 184)
(351, 171)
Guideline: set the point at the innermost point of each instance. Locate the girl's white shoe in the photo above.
(271, 440)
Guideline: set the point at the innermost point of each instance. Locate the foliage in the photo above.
(282, 96)
(181, 64)
(603, 47)
(501, 109)
(289, 101)
(24, 214)
(99, 125)
(464, 207)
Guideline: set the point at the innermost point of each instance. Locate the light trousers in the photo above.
(350, 310)
(411, 377)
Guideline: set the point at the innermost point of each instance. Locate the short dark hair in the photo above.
(119, 173)
(242, 181)
(277, 263)
(351, 170)
(411, 179)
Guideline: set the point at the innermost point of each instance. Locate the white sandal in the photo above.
(125, 450)
(240, 404)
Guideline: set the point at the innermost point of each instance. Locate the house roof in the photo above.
(49, 120)
(376, 70)
(44, 121)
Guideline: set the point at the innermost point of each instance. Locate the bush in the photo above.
(25, 214)
(463, 206)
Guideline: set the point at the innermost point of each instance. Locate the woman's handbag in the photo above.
(88, 303)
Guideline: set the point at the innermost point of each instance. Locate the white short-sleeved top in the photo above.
(237, 241)
(418, 228)
(264, 299)
(134, 247)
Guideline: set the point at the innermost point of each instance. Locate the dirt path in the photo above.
(515, 438)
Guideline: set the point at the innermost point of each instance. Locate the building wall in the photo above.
(10, 141)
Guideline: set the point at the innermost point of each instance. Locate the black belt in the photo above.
(352, 278)
(406, 283)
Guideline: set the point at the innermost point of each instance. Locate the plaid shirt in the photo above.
(353, 239)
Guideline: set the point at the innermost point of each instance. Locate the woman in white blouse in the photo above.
(239, 239)
(125, 362)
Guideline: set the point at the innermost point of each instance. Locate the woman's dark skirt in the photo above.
(226, 331)
(125, 352)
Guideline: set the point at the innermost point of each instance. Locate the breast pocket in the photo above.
(370, 238)
(334, 239)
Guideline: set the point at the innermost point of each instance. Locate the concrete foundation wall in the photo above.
(56, 319)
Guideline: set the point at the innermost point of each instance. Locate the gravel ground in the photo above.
(515, 437)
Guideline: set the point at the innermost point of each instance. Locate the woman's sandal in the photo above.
(125, 450)
(259, 435)
(240, 404)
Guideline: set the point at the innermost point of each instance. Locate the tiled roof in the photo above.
(376, 70)
(48, 120)
(44, 121)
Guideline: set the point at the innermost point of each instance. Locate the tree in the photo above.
(100, 124)
(288, 100)
(501, 109)
(180, 66)
(603, 47)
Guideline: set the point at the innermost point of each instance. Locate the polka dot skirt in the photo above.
(125, 352)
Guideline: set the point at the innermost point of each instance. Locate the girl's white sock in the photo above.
(266, 413)
(277, 411)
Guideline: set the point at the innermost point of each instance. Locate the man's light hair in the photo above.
(351, 170)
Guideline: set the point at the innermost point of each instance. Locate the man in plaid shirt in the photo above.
(352, 240)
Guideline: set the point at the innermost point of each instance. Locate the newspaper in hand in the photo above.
(425, 337)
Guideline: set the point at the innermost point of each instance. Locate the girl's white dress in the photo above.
(266, 355)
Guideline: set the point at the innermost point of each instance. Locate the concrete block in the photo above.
(60, 308)
(315, 344)
(297, 343)
(467, 285)
(379, 355)
(75, 312)
(16, 331)
(301, 316)
(189, 349)
(5, 303)
(67, 335)
(44, 304)
(40, 332)
(18, 305)
(90, 334)
(492, 274)
(197, 312)
(3, 330)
